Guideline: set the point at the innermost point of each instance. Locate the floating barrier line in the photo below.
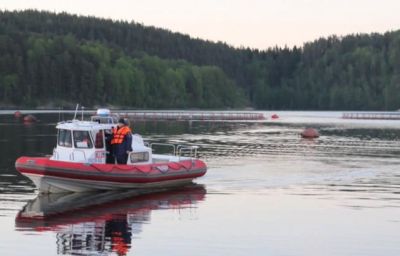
(372, 115)
(206, 116)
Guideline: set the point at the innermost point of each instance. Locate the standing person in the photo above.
(122, 141)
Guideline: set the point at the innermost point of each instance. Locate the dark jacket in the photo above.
(120, 149)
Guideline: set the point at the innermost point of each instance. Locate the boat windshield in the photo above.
(82, 139)
(64, 138)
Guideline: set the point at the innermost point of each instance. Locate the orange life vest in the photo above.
(119, 134)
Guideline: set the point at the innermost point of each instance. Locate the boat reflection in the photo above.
(101, 223)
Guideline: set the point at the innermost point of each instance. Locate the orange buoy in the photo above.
(274, 116)
(17, 114)
(310, 133)
(30, 119)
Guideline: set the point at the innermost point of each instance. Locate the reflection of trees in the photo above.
(100, 223)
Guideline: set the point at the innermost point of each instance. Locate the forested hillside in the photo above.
(60, 58)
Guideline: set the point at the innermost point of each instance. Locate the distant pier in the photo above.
(191, 115)
(372, 115)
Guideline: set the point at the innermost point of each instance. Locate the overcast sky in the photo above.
(250, 23)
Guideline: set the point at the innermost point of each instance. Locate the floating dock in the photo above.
(372, 115)
(191, 115)
(158, 115)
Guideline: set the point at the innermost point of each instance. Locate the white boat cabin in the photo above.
(85, 141)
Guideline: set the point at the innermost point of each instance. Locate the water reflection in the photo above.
(101, 223)
(277, 189)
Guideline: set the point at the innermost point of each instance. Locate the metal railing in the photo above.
(192, 150)
(164, 145)
(178, 150)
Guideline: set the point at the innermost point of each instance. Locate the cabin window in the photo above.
(82, 139)
(64, 138)
(99, 139)
(137, 157)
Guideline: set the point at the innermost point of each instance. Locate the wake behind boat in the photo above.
(78, 162)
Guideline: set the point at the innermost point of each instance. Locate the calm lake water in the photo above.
(267, 192)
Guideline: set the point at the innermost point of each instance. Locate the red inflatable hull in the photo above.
(58, 176)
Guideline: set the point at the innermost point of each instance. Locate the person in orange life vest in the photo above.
(122, 141)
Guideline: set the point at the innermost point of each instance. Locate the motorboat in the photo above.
(78, 162)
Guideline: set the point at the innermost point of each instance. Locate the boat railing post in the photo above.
(191, 149)
(76, 111)
(82, 109)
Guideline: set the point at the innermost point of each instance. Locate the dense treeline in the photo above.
(37, 70)
(46, 57)
(354, 72)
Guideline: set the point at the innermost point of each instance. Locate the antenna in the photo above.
(62, 113)
(76, 111)
(83, 108)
